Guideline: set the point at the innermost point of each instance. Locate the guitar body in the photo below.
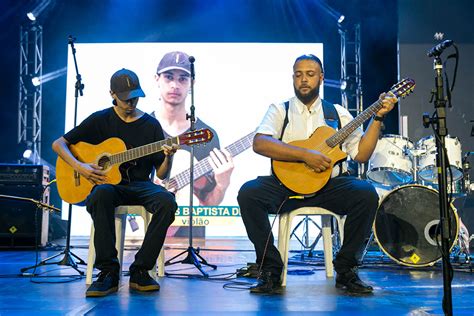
(297, 176)
(73, 187)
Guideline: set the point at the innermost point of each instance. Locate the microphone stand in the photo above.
(38, 204)
(193, 256)
(69, 256)
(439, 124)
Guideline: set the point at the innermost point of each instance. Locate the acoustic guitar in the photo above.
(300, 178)
(110, 154)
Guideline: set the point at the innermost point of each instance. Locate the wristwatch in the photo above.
(378, 118)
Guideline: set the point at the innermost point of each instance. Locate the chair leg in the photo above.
(340, 224)
(161, 260)
(161, 263)
(90, 257)
(120, 226)
(327, 245)
(283, 242)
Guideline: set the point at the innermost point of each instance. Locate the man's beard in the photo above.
(307, 98)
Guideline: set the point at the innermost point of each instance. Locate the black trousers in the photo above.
(342, 195)
(101, 205)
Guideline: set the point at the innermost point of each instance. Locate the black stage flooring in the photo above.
(56, 290)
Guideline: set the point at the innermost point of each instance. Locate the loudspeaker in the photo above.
(22, 223)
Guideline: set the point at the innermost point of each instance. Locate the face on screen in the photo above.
(174, 86)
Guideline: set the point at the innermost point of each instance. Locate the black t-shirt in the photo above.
(105, 124)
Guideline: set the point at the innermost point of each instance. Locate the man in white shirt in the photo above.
(342, 194)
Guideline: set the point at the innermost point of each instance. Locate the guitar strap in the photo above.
(285, 121)
(330, 116)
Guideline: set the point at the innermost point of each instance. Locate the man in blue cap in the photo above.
(135, 128)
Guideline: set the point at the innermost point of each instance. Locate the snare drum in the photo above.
(406, 225)
(427, 162)
(390, 164)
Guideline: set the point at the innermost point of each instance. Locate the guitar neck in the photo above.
(203, 167)
(348, 129)
(142, 151)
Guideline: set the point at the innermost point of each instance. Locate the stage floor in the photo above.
(398, 291)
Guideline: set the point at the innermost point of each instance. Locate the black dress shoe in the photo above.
(268, 284)
(351, 282)
(250, 271)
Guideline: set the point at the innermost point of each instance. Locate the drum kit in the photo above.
(405, 176)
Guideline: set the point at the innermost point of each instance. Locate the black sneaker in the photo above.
(140, 280)
(106, 283)
(351, 282)
(267, 284)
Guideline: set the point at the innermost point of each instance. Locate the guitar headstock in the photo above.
(196, 137)
(403, 88)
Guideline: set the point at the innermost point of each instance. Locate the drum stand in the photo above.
(304, 240)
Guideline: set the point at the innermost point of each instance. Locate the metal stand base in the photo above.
(69, 260)
(192, 257)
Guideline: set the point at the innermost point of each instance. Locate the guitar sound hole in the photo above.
(104, 162)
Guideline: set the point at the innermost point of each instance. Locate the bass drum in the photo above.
(406, 225)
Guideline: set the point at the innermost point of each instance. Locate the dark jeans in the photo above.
(342, 195)
(101, 205)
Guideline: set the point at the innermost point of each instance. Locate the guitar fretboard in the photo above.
(344, 132)
(143, 151)
(203, 167)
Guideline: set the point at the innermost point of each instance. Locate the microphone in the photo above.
(71, 39)
(192, 60)
(438, 49)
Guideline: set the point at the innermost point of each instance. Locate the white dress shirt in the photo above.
(303, 122)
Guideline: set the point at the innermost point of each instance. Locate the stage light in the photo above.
(33, 14)
(343, 85)
(31, 157)
(330, 83)
(337, 16)
(348, 84)
(27, 154)
(26, 151)
(28, 83)
(36, 81)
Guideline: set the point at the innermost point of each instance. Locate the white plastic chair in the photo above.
(121, 213)
(286, 220)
